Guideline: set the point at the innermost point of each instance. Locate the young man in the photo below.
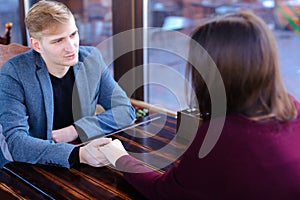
(49, 94)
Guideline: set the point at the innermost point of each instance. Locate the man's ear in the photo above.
(35, 44)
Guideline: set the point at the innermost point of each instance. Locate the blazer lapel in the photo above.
(82, 108)
(46, 86)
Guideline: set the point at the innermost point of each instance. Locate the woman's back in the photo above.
(251, 160)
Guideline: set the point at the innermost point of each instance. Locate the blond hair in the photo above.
(44, 14)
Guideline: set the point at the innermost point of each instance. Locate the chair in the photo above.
(7, 37)
(10, 50)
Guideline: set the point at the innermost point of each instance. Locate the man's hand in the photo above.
(67, 134)
(90, 154)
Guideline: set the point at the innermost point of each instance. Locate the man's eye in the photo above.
(74, 34)
(57, 41)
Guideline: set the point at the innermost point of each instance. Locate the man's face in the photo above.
(59, 45)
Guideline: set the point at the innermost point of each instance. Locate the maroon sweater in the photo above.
(251, 160)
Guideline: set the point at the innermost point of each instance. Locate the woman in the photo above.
(257, 154)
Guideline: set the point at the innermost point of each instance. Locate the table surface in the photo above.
(21, 180)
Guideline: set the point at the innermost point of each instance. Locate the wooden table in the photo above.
(48, 182)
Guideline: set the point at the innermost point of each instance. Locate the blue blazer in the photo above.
(26, 112)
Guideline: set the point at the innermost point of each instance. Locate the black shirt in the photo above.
(63, 114)
(62, 93)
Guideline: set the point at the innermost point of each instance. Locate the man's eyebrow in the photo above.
(57, 39)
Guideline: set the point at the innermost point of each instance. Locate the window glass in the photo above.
(182, 16)
(10, 13)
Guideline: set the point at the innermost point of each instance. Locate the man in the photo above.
(49, 94)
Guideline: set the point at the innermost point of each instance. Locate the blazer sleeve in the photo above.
(153, 184)
(23, 144)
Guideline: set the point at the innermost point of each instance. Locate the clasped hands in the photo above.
(97, 153)
(101, 152)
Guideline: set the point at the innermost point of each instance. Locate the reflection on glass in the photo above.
(8, 14)
(94, 21)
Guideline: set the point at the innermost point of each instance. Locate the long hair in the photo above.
(245, 53)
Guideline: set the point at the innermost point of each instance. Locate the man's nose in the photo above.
(70, 45)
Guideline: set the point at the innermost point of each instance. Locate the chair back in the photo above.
(10, 50)
(7, 36)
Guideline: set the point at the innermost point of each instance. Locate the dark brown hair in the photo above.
(245, 53)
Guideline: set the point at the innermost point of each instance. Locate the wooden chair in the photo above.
(10, 50)
(7, 37)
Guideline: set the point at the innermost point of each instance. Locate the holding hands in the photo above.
(90, 154)
(113, 151)
(101, 152)
(97, 153)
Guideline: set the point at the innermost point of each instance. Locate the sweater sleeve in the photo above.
(152, 184)
(186, 179)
